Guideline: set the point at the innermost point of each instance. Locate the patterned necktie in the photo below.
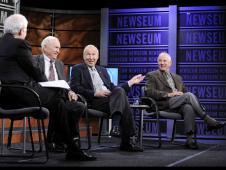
(97, 81)
(51, 71)
(170, 81)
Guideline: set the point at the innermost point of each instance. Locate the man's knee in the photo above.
(118, 91)
(75, 108)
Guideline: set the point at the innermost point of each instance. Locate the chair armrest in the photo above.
(150, 102)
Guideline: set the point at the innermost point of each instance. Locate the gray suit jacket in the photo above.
(59, 66)
(157, 87)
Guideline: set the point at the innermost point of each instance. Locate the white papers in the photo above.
(57, 84)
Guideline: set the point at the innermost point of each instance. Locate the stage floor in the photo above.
(169, 155)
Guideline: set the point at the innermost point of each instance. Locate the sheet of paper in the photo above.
(56, 84)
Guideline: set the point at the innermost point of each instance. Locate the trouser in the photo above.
(187, 98)
(189, 106)
(116, 103)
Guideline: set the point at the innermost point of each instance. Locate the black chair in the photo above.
(39, 113)
(101, 115)
(154, 112)
(93, 113)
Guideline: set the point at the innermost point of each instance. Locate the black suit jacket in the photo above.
(59, 66)
(16, 61)
(157, 87)
(81, 81)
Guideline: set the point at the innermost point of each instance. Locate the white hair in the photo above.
(88, 47)
(14, 23)
(48, 40)
(164, 54)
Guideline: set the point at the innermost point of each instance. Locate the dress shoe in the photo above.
(57, 147)
(218, 125)
(79, 155)
(115, 131)
(191, 145)
(130, 148)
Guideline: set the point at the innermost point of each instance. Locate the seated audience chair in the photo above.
(39, 113)
(160, 114)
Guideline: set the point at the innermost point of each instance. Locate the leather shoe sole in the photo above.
(79, 156)
(217, 126)
(191, 145)
(130, 148)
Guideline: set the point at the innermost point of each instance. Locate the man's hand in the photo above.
(136, 79)
(175, 93)
(102, 93)
(72, 96)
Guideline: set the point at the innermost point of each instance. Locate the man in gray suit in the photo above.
(170, 93)
(53, 69)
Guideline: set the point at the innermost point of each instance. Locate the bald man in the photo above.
(170, 93)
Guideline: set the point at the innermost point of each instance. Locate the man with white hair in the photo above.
(170, 93)
(17, 67)
(93, 82)
(50, 50)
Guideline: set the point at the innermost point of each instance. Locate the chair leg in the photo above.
(100, 129)
(45, 140)
(39, 135)
(10, 134)
(31, 136)
(88, 130)
(159, 132)
(173, 132)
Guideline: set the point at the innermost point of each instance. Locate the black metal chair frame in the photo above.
(154, 111)
(39, 113)
(93, 113)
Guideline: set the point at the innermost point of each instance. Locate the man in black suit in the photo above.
(17, 67)
(170, 93)
(50, 50)
(93, 82)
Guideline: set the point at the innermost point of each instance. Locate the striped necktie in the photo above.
(51, 71)
(170, 81)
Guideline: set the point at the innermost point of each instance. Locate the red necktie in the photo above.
(51, 71)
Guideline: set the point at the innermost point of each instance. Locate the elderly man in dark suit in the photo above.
(93, 82)
(17, 67)
(170, 93)
(50, 50)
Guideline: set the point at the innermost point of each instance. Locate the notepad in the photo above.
(55, 84)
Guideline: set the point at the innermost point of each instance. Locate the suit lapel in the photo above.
(59, 71)
(176, 81)
(162, 79)
(87, 75)
(41, 64)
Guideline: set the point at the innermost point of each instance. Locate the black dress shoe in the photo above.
(218, 125)
(191, 145)
(130, 148)
(115, 131)
(79, 155)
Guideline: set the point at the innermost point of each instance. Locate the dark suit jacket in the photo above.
(16, 61)
(81, 81)
(59, 66)
(157, 87)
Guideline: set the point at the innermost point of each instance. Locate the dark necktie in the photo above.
(51, 71)
(170, 80)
